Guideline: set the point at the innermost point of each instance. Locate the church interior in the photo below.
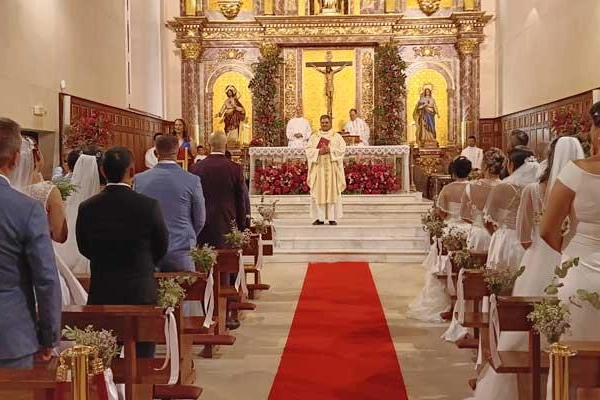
(462, 135)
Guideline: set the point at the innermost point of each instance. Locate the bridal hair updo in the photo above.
(460, 167)
(493, 161)
(519, 155)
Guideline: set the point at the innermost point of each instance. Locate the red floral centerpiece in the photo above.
(87, 132)
(362, 177)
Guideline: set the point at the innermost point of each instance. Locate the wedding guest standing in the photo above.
(29, 287)
(123, 233)
(181, 199)
(298, 130)
(222, 184)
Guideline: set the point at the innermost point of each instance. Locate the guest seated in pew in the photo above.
(516, 138)
(432, 301)
(181, 200)
(123, 233)
(28, 273)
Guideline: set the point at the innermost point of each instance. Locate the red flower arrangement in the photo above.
(568, 122)
(87, 132)
(362, 177)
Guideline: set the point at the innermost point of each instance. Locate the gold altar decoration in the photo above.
(415, 85)
(427, 51)
(245, 5)
(290, 78)
(420, 4)
(559, 361)
(191, 51)
(367, 88)
(193, 7)
(429, 7)
(230, 54)
(240, 82)
(313, 87)
(230, 8)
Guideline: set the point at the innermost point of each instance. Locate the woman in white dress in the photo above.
(433, 300)
(539, 261)
(500, 211)
(575, 194)
(471, 211)
(87, 182)
(27, 179)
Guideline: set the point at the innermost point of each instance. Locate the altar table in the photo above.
(397, 157)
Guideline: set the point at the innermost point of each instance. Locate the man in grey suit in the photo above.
(181, 200)
(28, 270)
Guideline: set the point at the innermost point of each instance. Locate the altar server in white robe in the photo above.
(357, 126)
(325, 155)
(298, 130)
(473, 153)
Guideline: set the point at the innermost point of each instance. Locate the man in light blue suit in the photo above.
(28, 270)
(182, 203)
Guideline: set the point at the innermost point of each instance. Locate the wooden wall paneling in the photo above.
(129, 128)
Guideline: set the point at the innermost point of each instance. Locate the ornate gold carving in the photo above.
(230, 8)
(233, 34)
(191, 50)
(427, 30)
(429, 6)
(467, 46)
(429, 164)
(428, 51)
(269, 50)
(290, 78)
(367, 103)
(231, 54)
(328, 30)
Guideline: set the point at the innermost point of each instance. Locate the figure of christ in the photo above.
(233, 113)
(327, 69)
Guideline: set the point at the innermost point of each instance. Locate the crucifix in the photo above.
(328, 69)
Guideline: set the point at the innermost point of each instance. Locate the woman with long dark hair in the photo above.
(186, 143)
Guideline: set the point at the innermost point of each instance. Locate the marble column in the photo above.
(468, 52)
(190, 87)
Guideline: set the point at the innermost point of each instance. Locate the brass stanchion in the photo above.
(559, 362)
(79, 356)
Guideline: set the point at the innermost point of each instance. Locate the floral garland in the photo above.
(268, 124)
(87, 132)
(391, 90)
(568, 122)
(362, 177)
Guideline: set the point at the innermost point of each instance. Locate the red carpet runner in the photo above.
(339, 345)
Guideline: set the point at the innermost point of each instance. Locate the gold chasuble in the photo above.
(326, 178)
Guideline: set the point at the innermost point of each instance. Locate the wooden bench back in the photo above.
(474, 285)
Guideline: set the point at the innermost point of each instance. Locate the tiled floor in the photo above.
(432, 369)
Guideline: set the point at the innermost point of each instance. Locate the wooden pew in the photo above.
(130, 324)
(250, 269)
(512, 315)
(475, 289)
(193, 325)
(228, 266)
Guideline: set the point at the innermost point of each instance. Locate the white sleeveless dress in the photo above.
(71, 290)
(433, 300)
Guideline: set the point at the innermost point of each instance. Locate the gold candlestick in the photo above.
(559, 361)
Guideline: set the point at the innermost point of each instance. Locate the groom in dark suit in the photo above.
(28, 272)
(123, 233)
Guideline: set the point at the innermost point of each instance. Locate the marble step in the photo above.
(363, 215)
(332, 255)
(373, 208)
(348, 230)
(350, 244)
(347, 199)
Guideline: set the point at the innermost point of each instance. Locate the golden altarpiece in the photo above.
(439, 40)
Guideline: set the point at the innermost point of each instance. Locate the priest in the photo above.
(325, 155)
(358, 127)
(298, 130)
(473, 153)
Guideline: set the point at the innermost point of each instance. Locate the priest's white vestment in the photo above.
(326, 178)
(475, 155)
(360, 128)
(298, 125)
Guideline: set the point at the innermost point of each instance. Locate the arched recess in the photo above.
(238, 76)
(420, 74)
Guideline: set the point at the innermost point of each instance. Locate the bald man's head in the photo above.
(217, 142)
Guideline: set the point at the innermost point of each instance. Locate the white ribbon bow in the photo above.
(494, 330)
(484, 308)
(259, 258)
(209, 300)
(438, 244)
(111, 388)
(172, 351)
(240, 281)
(460, 297)
(448, 267)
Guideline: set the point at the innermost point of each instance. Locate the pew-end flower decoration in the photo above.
(105, 341)
(204, 257)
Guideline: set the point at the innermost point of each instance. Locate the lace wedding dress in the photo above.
(71, 290)
(433, 300)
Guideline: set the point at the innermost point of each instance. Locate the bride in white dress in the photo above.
(27, 179)
(87, 182)
(539, 261)
(575, 194)
(478, 241)
(433, 300)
